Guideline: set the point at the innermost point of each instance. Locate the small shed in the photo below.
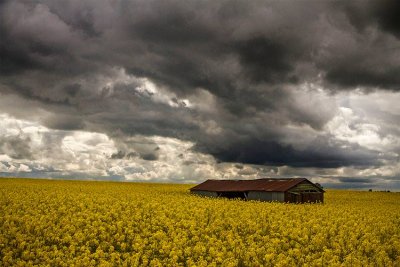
(293, 190)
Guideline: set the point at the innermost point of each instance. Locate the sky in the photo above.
(180, 91)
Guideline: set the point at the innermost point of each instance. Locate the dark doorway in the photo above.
(293, 197)
(304, 197)
(312, 197)
(230, 195)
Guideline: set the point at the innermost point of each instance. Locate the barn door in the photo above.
(310, 197)
(293, 197)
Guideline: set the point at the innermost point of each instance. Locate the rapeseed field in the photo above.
(72, 223)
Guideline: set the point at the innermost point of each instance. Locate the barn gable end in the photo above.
(305, 192)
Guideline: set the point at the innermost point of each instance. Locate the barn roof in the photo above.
(263, 184)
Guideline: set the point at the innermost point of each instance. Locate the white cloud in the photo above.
(143, 87)
(365, 120)
(347, 126)
(356, 119)
(64, 153)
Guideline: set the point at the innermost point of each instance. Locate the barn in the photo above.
(294, 190)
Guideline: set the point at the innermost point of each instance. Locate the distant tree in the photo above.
(370, 190)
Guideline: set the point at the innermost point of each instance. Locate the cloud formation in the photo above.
(257, 83)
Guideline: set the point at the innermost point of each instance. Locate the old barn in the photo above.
(295, 190)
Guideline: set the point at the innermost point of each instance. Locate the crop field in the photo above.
(71, 223)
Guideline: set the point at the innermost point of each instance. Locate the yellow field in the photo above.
(66, 223)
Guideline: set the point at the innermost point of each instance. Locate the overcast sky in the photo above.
(183, 91)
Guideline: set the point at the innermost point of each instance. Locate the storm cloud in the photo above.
(252, 82)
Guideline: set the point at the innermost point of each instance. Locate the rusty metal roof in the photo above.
(263, 184)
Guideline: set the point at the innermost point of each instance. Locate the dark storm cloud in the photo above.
(193, 44)
(139, 147)
(149, 156)
(384, 13)
(348, 75)
(385, 184)
(131, 155)
(357, 180)
(321, 153)
(265, 60)
(64, 122)
(249, 56)
(359, 65)
(16, 147)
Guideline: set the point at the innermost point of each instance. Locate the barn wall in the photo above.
(205, 193)
(266, 196)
